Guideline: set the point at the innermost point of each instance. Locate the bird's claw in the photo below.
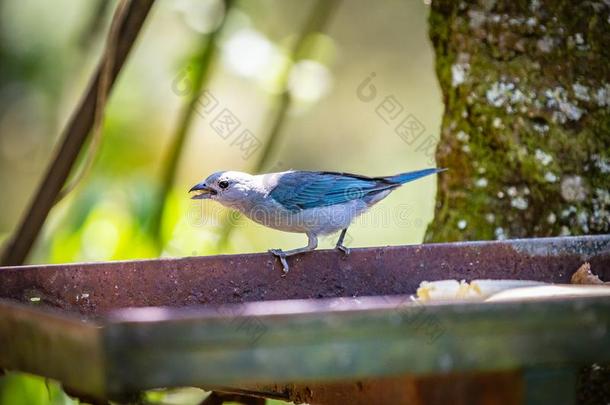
(346, 251)
(282, 256)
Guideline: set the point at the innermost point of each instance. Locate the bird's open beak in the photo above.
(202, 191)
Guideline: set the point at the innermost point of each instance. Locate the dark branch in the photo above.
(73, 138)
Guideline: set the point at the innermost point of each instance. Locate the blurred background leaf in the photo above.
(25, 389)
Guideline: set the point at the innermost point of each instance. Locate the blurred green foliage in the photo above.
(48, 53)
(23, 389)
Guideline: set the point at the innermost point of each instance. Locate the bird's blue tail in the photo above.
(410, 176)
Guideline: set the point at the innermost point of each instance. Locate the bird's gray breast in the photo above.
(320, 220)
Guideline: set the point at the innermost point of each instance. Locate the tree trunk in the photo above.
(526, 129)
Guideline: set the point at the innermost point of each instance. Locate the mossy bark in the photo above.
(526, 129)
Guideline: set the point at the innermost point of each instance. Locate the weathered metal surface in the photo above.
(349, 338)
(95, 288)
(543, 385)
(54, 345)
(504, 388)
(365, 328)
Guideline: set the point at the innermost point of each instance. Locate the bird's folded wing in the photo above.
(302, 190)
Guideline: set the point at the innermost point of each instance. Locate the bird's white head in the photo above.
(227, 187)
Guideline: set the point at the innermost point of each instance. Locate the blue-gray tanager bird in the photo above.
(313, 203)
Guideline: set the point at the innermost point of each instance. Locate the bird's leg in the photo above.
(340, 246)
(282, 255)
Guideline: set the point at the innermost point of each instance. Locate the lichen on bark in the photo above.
(526, 128)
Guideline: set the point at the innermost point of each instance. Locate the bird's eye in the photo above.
(223, 184)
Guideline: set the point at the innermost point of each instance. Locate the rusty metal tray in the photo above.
(110, 329)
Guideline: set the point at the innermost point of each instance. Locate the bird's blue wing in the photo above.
(302, 190)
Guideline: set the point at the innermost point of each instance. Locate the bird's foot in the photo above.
(279, 253)
(346, 251)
